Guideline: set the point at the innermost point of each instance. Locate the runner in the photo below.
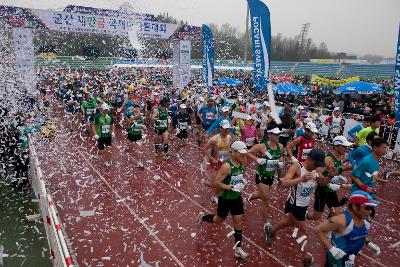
(181, 122)
(350, 231)
(216, 151)
(249, 132)
(127, 106)
(325, 193)
(305, 143)
(269, 156)
(207, 115)
(160, 120)
(356, 155)
(301, 178)
(135, 135)
(287, 126)
(230, 182)
(103, 131)
(89, 106)
(335, 123)
(361, 136)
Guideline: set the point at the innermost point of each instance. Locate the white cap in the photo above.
(201, 99)
(336, 109)
(240, 147)
(312, 127)
(105, 106)
(341, 140)
(266, 103)
(300, 107)
(225, 109)
(274, 131)
(182, 106)
(248, 117)
(225, 124)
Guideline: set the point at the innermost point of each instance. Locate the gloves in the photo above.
(294, 159)
(341, 178)
(177, 131)
(112, 134)
(281, 165)
(337, 253)
(334, 187)
(238, 187)
(96, 137)
(374, 248)
(261, 161)
(139, 126)
(189, 127)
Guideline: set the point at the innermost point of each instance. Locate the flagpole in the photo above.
(247, 33)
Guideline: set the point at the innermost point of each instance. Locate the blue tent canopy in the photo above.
(289, 88)
(359, 88)
(228, 81)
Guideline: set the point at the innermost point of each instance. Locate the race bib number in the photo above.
(271, 165)
(209, 116)
(130, 109)
(105, 129)
(237, 179)
(223, 155)
(162, 123)
(305, 153)
(250, 141)
(183, 125)
(307, 190)
(89, 111)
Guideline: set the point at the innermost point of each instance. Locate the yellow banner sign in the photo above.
(315, 79)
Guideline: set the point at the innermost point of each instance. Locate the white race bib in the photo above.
(209, 116)
(183, 125)
(305, 153)
(271, 165)
(163, 123)
(223, 155)
(89, 111)
(250, 141)
(105, 129)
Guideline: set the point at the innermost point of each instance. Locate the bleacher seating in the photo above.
(300, 68)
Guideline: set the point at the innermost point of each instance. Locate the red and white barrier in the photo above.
(60, 253)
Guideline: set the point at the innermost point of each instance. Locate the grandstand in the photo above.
(299, 68)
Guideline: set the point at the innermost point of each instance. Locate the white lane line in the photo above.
(119, 198)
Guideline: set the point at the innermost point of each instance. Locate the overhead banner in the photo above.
(184, 62)
(397, 82)
(261, 41)
(175, 65)
(208, 56)
(315, 79)
(24, 57)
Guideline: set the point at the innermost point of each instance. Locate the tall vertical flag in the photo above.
(208, 55)
(261, 43)
(397, 81)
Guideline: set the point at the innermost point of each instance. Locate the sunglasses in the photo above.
(368, 208)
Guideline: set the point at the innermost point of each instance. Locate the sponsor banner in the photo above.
(315, 79)
(175, 63)
(184, 62)
(323, 60)
(24, 57)
(208, 56)
(261, 41)
(87, 23)
(281, 78)
(397, 82)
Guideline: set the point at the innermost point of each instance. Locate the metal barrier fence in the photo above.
(60, 253)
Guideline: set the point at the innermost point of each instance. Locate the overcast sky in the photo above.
(352, 26)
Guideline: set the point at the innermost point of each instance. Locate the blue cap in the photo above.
(362, 197)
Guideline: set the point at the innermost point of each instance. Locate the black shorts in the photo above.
(206, 127)
(298, 212)
(103, 142)
(160, 131)
(323, 197)
(183, 134)
(134, 138)
(234, 206)
(264, 180)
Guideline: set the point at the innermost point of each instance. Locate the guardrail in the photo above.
(60, 253)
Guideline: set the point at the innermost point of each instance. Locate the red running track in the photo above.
(137, 215)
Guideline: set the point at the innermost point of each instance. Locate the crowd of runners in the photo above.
(234, 128)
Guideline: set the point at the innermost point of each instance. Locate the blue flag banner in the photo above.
(397, 81)
(208, 55)
(261, 42)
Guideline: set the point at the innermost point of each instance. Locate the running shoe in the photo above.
(167, 156)
(199, 219)
(239, 253)
(107, 164)
(268, 233)
(307, 262)
(203, 185)
(156, 153)
(214, 199)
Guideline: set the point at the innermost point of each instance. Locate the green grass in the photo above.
(25, 242)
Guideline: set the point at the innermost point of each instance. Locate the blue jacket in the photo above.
(358, 154)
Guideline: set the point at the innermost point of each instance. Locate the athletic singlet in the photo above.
(268, 169)
(162, 121)
(353, 238)
(236, 177)
(223, 146)
(305, 147)
(336, 127)
(129, 107)
(300, 194)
